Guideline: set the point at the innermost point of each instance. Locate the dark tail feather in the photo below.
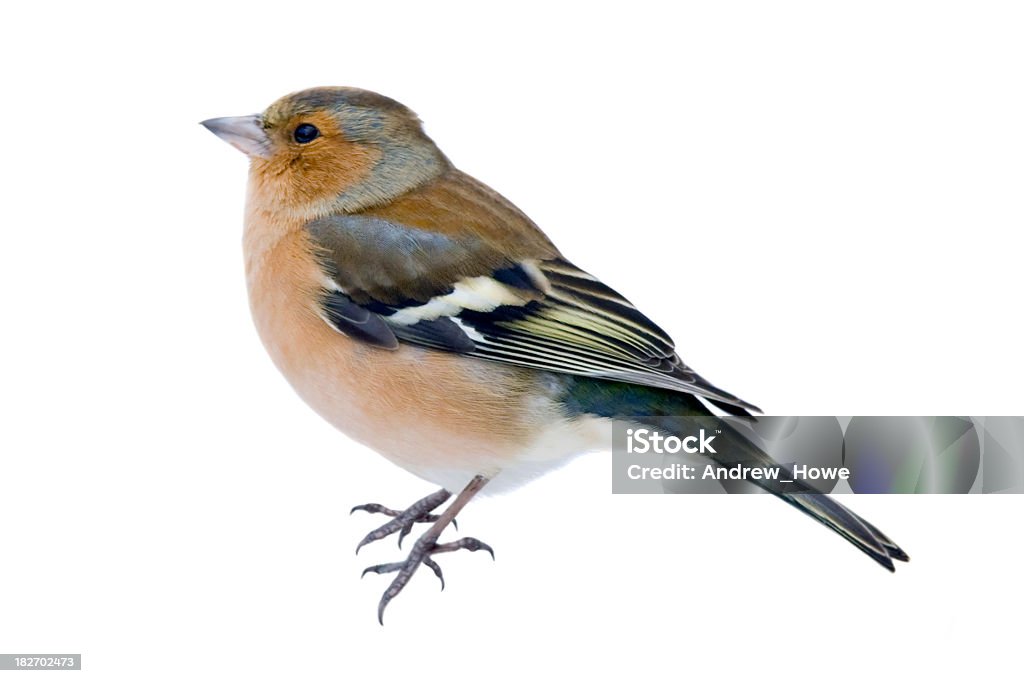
(895, 552)
(848, 525)
(675, 412)
(832, 514)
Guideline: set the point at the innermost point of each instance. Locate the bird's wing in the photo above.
(487, 294)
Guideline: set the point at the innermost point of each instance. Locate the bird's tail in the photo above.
(849, 525)
(737, 449)
(679, 413)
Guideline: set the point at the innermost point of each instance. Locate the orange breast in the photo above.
(430, 412)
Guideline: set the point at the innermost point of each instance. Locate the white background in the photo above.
(820, 201)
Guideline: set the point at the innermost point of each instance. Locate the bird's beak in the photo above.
(244, 133)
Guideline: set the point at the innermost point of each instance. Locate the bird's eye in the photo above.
(306, 132)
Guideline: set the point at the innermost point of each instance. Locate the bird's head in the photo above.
(326, 150)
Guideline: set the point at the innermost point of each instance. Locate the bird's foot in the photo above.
(427, 544)
(421, 553)
(403, 520)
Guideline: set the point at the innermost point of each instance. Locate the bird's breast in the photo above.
(441, 416)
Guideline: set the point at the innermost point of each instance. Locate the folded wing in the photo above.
(386, 283)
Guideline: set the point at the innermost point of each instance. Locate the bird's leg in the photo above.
(403, 519)
(427, 545)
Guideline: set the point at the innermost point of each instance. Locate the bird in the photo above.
(427, 317)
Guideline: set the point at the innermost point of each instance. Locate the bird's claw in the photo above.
(395, 566)
(467, 543)
(421, 553)
(402, 520)
(375, 508)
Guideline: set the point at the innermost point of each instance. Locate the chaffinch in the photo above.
(424, 315)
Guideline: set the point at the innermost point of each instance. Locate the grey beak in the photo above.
(244, 133)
